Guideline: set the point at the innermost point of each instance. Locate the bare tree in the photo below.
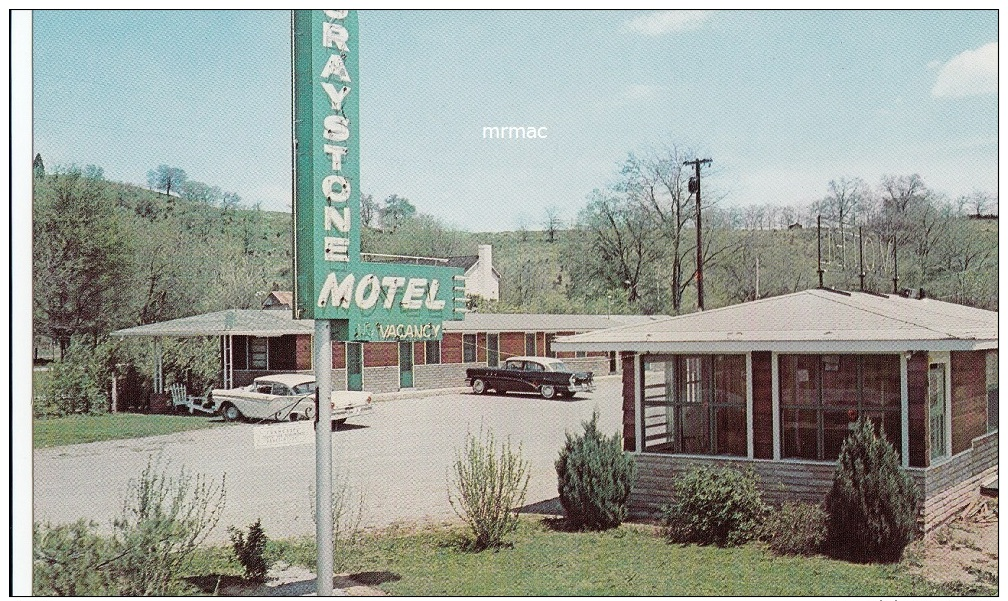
(552, 222)
(368, 209)
(658, 183)
(845, 199)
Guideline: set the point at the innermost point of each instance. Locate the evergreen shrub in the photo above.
(594, 477)
(873, 502)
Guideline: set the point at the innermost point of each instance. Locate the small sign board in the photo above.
(367, 301)
(283, 435)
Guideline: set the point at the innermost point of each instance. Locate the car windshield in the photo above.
(557, 366)
(306, 388)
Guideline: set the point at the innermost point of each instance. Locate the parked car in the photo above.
(284, 397)
(543, 375)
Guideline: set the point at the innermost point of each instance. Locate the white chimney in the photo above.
(486, 279)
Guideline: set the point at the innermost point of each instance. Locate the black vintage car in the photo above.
(543, 375)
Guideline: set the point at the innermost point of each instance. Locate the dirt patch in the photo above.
(963, 553)
(295, 581)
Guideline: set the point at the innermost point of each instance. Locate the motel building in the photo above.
(257, 342)
(776, 385)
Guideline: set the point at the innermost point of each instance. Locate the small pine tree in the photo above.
(251, 551)
(873, 502)
(594, 477)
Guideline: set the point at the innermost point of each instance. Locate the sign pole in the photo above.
(323, 459)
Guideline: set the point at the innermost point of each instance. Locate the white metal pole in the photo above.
(323, 460)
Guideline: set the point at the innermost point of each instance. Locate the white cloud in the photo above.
(660, 23)
(972, 73)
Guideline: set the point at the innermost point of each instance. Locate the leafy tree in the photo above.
(199, 192)
(38, 167)
(396, 211)
(80, 255)
(94, 172)
(165, 178)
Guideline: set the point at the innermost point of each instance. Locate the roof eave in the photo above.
(780, 346)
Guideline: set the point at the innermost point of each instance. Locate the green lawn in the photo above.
(630, 560)
(113, 426)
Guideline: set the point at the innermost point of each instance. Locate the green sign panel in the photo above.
(367, 301)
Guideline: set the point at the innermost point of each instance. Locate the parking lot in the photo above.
(398, 459)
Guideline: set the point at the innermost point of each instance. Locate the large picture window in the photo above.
(822, 397)
(696, 404)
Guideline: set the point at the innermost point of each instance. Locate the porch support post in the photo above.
(638, 379)
(158, 366)
(775, 399)
(750, 447)
(904, 412)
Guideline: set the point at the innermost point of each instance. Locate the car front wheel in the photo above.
(230, 413)
(479, 386)
(547, 391)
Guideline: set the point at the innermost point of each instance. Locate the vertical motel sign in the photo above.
(364, 301)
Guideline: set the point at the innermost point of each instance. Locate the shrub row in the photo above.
(869, 514)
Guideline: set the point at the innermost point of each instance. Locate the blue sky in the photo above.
(783, 101)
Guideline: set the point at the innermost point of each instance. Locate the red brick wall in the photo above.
(969, 398)
(541, 344)
(917, 385)
(762, 405)
(418, 354)
(381, 354)
(451, 348)
(512, 344)
(629, 410)
(304, 352)
(339, 354)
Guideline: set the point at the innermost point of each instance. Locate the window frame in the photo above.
(791, 402)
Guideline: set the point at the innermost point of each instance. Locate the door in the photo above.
(355, 365)
(405, 365)
(936, 410)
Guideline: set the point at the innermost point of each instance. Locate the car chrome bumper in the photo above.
(345, 412)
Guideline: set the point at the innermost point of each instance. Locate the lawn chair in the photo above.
(181, 399)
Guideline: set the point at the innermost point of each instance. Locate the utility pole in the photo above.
(694, 186)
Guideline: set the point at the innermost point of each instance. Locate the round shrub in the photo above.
(795, 529)
(723, 507)
(873, 502)
(594, 477)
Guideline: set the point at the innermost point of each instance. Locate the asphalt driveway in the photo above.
(398, 459)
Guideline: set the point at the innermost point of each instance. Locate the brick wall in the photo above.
(338, 355)
(512, 344)
(952, 484)
(969, 398)
(451, 348)
(419, 358)
(446, 375)
(381, 379)
(382, 354)
(304, 352)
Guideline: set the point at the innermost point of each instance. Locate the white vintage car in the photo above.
(285, 397)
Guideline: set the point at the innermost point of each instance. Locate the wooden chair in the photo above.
(181, 399)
